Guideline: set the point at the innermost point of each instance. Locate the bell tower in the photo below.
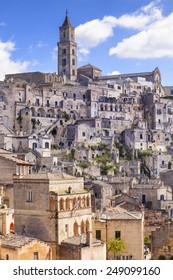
(67, 50)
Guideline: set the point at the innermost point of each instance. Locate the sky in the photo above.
(117, 36)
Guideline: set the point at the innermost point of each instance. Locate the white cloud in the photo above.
(93, 33)
(7, 64)
(97, 31)
(156, 41)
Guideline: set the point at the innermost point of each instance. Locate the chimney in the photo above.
(70, 190)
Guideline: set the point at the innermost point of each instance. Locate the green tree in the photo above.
(147, 241)
(116, 246)
(71, 156)
(65, 116)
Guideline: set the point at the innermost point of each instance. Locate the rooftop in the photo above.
(48, 176)
(88, 66)
(15, 159)
(14, 240)
(118, 213)
(79, 241)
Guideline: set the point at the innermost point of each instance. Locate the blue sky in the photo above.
(118, 36)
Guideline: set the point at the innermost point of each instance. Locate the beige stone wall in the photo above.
(131, 233)
(26, 252)
(62, 186)
(7, 253)
(7, 169)
(78, 217)
(95, 252)
(43, 217)
(6, 221)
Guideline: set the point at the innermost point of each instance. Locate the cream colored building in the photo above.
(16, 247)
(53, 208)
(128, 226)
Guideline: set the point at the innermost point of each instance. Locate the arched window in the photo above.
(12, 227)
(7, 257)
(87, 225)
(47, 145)
(34, 146)
(75, 228)
(74, 201)
(83, 202)
(82, 227)
(80, 202)
(52, 204)
(67, 203)
(61, 204)
(88, 201)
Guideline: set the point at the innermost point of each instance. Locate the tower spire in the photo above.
(67, 50)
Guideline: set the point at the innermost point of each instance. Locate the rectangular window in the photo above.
(74, 96)
(64, 62)
(67, 230)
(36, 256)
(159, 111)
(98, 234)
(29, 198)
(143, 198)
(37, 102)
(141, 136)
(64, 51)
(73, 52)
(83, 134)
(73, 61)
(117, 234)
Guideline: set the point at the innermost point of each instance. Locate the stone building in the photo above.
(120, 223)
(153, 194)
(16, 247)
(64, 210)
(158, 162)
(6, 220)
(89, 71)
(162, 242)
(10, 165)
(67, 51)
(144, 139)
